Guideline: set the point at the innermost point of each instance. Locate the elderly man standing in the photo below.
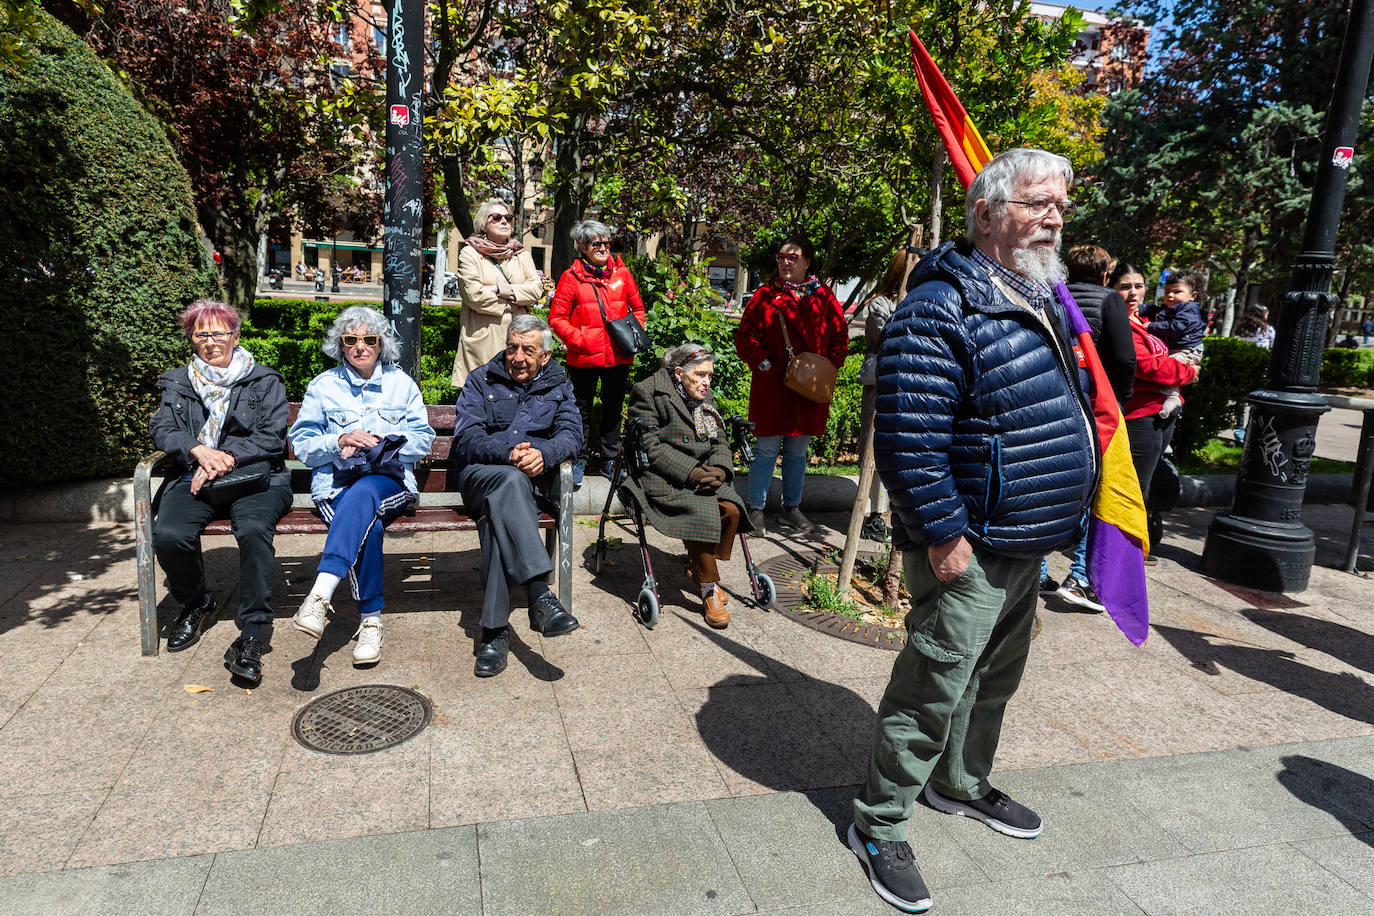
(984, 442)
(517, 419)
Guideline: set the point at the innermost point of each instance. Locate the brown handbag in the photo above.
(808, 374)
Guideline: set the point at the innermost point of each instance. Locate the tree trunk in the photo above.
(459, 206)
(567, 196)
(892, 585)
(234, 229)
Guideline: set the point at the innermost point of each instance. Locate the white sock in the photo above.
(324, 585)
(708, 589)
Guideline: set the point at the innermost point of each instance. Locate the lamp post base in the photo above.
(1263, 555)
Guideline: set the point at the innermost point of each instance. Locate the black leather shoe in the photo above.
(186, 630)
(491, 655)
(244, 658)
(548, 616)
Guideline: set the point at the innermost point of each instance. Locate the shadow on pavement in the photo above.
(781, 744)
(40, 572)
(1332, 789)
(1341, 693)
(1352, 646)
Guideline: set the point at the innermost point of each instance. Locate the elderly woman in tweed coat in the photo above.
(688, 491)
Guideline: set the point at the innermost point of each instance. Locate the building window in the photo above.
(379, 39)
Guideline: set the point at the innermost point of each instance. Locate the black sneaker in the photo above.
(874, 529)
(1081, 594)
(996, 809)
(1048, 586)
(892, 871)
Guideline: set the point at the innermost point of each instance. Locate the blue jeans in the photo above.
(793, 469)
(1078, 566)
(353, 548)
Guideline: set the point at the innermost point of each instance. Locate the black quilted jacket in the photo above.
(982, 425)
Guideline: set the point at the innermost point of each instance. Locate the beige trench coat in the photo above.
(485, 314)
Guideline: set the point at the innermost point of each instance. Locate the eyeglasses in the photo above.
(786, 258)
(603, 243)
(216, 336)
(500, 218)
(367, 340)
(1039, 209)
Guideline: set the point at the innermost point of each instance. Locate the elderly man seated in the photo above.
(516, 421)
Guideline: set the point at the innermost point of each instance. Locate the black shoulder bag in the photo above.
(626, 333)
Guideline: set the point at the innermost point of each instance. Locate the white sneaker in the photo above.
(312, 614)
(368, 651)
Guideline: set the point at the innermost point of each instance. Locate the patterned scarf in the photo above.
(601, 273)
(805, 288)
(212, 385)
(497, 253)
(705, 417)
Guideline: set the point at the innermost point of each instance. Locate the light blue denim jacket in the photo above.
(339, 400)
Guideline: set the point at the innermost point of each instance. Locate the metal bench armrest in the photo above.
(143, 529)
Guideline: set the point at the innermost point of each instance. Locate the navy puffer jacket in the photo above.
(982, 426)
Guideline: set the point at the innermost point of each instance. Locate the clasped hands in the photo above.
(527, 459)
(354, 439)
(706, 481)
(212, 463)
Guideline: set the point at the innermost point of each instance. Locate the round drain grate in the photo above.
(361, 720)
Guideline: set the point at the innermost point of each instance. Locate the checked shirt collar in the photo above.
(1038, 295)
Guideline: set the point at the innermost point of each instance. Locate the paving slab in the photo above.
(168, 887)
(1350, 858)
(663, 860)
(1082, 893)
(434, 872)
(1274, 880)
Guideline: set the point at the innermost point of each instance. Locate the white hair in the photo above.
(998, 180)
(524, 324)
(372, 322)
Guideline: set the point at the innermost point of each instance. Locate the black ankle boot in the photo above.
(244, 657)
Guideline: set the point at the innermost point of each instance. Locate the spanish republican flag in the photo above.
(1118, 535)
(967, 151)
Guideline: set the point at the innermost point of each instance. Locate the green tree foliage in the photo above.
(1211, 161)
(101, 252)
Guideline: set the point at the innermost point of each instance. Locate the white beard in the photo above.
(1039, 264)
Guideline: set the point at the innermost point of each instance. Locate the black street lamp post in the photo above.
(403, 212)
(1262, 542)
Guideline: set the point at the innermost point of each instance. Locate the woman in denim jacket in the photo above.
(348, 410)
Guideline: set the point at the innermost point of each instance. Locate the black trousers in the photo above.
(1149, 437)
(615, 381)
(507, 505)
(176, 538)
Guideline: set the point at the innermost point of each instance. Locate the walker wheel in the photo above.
(768, 593)
(646, 609)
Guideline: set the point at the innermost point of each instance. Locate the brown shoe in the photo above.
(714, 609)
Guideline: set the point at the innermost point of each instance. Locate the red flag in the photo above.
(967, 151)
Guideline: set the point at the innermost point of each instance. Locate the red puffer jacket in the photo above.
(576, 319)
(815, 324)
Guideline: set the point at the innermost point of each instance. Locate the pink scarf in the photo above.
(497, 253)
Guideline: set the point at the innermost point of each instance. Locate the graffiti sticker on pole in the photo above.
(400, 115)
(1342, 157)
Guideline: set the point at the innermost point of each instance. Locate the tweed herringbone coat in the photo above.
(674, 450)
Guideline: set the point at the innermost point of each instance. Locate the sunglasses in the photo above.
(367, 340)
(601, 244)
(499, 218)
(786, 258)
(216, 336)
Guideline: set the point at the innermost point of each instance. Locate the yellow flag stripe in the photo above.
(1118, 498)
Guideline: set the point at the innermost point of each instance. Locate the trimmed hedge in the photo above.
(1230, 370)
(286, 334)
(1346, 368)
(100, 252)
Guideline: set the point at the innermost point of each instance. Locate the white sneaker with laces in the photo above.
(368, 651)
(312, 615)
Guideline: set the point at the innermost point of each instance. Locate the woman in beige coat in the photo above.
(497, 280)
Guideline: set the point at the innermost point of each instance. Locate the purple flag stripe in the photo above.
(1077, 323)
(1118, 577)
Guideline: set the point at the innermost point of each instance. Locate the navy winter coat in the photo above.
(982, 426)
(494, 415)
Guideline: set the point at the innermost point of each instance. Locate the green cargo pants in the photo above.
(941, 715)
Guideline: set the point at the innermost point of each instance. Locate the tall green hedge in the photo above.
(98, 251)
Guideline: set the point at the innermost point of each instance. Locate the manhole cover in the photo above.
(360, 720)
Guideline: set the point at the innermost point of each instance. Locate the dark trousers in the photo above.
(615, 381)
(702, 555)
(1149, 437)
(181, 518)
(513, 553)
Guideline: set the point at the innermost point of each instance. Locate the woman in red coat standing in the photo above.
(784, 420)
(597, 287)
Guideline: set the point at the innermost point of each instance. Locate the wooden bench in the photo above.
(440, 509)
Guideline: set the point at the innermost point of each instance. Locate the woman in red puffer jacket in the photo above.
(595, 288)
